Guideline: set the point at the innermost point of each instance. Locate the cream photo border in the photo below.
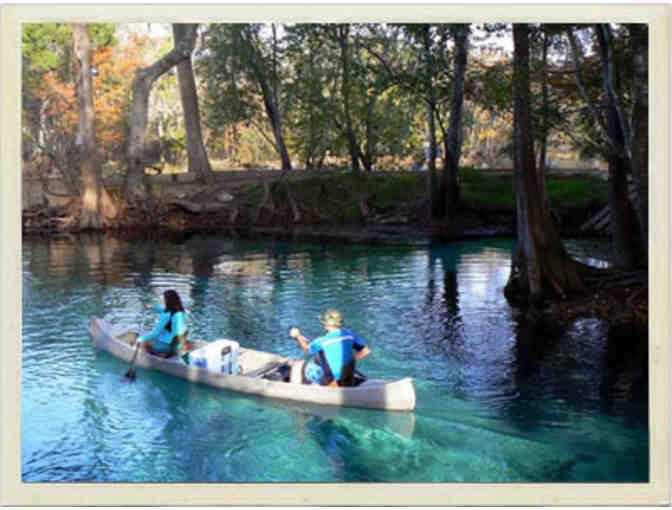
(14, 492)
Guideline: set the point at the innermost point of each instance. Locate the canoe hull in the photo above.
(374, 393)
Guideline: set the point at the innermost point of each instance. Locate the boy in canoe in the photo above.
(336, 352)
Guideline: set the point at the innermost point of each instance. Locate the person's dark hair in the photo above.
(173, 302)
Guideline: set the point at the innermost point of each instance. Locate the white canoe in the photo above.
(396, 395)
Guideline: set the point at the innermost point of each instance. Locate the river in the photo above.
(499, 400)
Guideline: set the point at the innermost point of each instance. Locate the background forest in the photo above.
(332, 90)
(103, 101)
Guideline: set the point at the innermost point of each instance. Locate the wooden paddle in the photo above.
(131, 369)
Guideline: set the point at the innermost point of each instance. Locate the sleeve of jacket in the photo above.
(179, 324)
(160, 326)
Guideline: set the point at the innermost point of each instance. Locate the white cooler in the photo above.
(220, 356)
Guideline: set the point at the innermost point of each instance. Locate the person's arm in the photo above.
(304, 342)
(361, 349)
(154, 334)
(359, 355)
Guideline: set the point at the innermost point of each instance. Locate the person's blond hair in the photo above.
(332, 318)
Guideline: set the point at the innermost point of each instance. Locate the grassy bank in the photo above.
(338, 197)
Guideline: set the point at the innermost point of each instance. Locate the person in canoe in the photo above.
(170, 334)
(335, 353)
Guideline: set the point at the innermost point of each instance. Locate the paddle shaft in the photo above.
(131, 369)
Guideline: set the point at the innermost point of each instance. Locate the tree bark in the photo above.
(369, 156)
(432, 192)
(640, 126)
(269, 97)
(136, 186)
(623, 224)
(198, 161)
(353, 145)
(96, 202)
(453, 141)
(541, 266)
(543, 191)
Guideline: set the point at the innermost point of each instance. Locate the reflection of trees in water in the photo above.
(534, 358)
(562, 367)
(443, 333)
(82, 258)
(624, 385)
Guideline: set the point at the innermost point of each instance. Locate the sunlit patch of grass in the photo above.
(498, 191)
(337, 196)
(172, 169)
(487, 191)
(579, 191)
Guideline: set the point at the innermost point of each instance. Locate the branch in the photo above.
(605, 40)
(577, 74)
(261, 131)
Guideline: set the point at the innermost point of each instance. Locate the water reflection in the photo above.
(624, 384)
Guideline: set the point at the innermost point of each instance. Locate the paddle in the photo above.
(131, 369)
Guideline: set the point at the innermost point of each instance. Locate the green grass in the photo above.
(497, 192)
(337, 196)
(487, 192)
(573, 192)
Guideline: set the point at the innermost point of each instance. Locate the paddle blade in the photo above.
(130, 375)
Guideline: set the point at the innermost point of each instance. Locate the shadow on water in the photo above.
(357, 443)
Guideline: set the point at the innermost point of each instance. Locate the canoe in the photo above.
(257, 374)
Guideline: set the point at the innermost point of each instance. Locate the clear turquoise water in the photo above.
(498, 401)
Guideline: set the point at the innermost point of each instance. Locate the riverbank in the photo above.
(364, 207)
(379, 208)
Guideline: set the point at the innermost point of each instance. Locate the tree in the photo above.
(343, 36)
(96, 202)
(243, 72)
(623, 224)
(312, 114)
(136, 186)
(640, 125)
(452, 139)
(628, 228)
(196, 154)
(541, 265)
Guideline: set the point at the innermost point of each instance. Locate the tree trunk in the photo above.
(196, 154)
(432, 192)
(96, 203)
(640, 126)
(541, 265)
(136, 185)
(353, 144)
(369, 156)
(453, 145)
(623, 223)
(274, 115)
(270, 99)
(543, 191)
